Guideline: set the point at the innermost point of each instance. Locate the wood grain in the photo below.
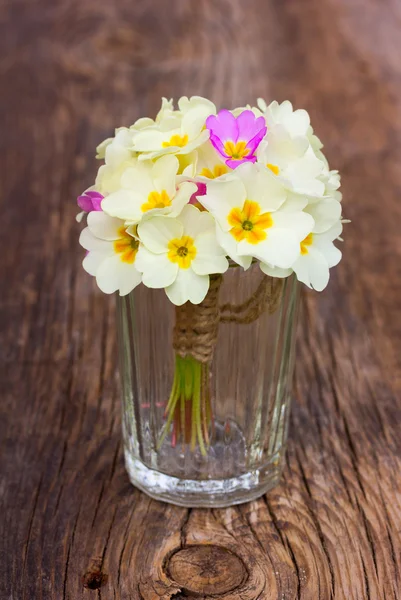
(72, 526)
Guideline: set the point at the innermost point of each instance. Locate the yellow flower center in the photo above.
(156, 200)
(273, 168)
(176, 140)
(308, 241)
(236, 150)
(218, 170)
(182, 251)
(126, 246)
(248, 223)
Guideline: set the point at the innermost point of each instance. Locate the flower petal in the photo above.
(103, 226)
(90, 242)
(191, 146)
(218, 145)
(118, 151)
(131, 278)
(138, 178)
(300, 223)
(249, 126)
(280, 149)
(222, 196)
(224, 126)
(298, 122)
(294, 203)
(280, 248)
(228, 243)
(124, 204)
(188, 287)
(331, 234)
(196, 222)
(275, 271)
(312, 269)
(113, 275)
(94, 259)
(253, 144)
(149, 139)
(233, 163)
(325, 214)
(185, 104)
(200, 191)
(85, 203)
(208, 160)
(302, 175)
(261, 104)
(184, 193)
(142, 123)
(262, 186)
(156, 232)
(164, 172)
(157, 270)
(332, 254)
(210, 257)
(194, 120)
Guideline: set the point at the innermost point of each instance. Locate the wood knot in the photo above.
(207, 570)
(94, 577)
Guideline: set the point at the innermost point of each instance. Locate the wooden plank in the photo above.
(72, 526)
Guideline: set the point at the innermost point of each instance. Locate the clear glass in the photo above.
(249, 384)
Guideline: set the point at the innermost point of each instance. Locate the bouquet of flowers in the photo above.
(181, 198)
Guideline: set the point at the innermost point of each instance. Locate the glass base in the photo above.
(212, 493)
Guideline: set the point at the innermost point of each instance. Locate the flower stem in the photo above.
(188, 411)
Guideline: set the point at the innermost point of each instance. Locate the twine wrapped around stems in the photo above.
(196, 325)
(266, 297)
(196, 329)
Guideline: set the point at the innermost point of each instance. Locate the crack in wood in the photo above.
(317, 525)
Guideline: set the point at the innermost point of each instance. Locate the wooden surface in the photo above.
(72, 527)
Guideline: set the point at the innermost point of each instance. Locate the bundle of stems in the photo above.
(188, 412)
(189, 409)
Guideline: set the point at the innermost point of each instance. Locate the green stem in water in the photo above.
(197, 402)
(188, 407)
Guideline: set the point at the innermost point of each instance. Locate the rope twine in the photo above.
(266, 297)
(196, 327)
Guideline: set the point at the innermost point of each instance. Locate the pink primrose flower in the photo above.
(236, 138)
(90, 200)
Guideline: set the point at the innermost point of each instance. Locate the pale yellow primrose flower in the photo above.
(176, 132)
(148, 188)
(293, 162)
(295, 122)
(250, 223)
(314, 141)
(116, 149)
(287, 151)
(210, 164)
(284, 210)
(331, 179)
(118, 156)
(317, 255)
(124, 136)
(166, 110)
(179, 254)
(326, 213)
(111, 254)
